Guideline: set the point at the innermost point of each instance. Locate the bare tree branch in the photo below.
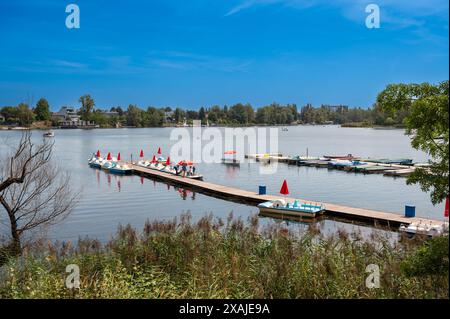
(33, 191)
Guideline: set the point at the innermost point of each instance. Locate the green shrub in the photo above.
(213, 258)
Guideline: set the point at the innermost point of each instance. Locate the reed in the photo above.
(215, 258)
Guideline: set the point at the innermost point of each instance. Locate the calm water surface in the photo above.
(108, 200)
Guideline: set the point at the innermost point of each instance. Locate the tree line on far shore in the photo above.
(236, 115)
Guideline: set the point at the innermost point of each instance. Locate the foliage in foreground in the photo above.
(427, 125)
(232, 259)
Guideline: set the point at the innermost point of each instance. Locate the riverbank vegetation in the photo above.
(235, 115)
(215, 258)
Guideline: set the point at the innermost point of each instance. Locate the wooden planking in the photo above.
(231, 193)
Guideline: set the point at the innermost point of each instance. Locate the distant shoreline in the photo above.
(345, 125)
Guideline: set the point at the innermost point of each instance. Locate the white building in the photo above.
(66, 113)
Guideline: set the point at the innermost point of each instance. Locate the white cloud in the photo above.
(190, 61)
(400, 13)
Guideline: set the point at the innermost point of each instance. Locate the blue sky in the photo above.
(200, 53)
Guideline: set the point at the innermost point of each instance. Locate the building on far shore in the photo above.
(68, 117)
(65, 113)
(169, 116)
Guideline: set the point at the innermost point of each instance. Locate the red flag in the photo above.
(154, 159)
(118, 156)
(108, 157)
(141, 154)
(168, 161)
(142, 180)
(159, 150)
(98, 153)
(284, 188)
(446, 207)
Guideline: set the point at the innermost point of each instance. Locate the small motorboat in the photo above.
(419, 228)
(121, 169)
(399, 161)
(231, 161)
(230, 158)
(296, 208)
(49, 134)
(348, 157)
(194, 176)
(344, 163)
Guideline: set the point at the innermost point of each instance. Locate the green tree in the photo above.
(42, 110)
(427, 125)
(430, 259)
(25, 114)
(179, 115)
(154, 117)
(134, 116)
(11, 114)
(202, 115)
(87, 106)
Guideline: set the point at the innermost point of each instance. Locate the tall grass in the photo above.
(213, 258)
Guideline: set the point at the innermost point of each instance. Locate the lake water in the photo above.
(108, 200)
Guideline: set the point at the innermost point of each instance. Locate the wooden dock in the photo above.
(396, 170)
(367, 216)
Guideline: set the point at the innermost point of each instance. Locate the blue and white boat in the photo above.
(96, 162)
(107, 165)
(297, 208)
(157, 166)
(121, 169)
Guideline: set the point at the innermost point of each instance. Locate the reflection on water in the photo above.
(174, 196)
(108, 200)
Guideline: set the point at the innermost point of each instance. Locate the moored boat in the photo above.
(156, 166)
(121, 169)
(419, 228)
(341, 157)
(143, 163)
(107, 165)
(49, 134)
(398, 161)
(296, 208)
(231, 161)
(96, 162)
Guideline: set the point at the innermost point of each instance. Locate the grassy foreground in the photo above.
(230, 259)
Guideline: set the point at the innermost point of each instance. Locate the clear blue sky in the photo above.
(194, 53)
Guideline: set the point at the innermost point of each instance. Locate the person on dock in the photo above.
(184, 169)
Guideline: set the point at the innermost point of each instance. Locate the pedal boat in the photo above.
(296, 208)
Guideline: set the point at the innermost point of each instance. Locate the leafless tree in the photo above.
(33, 191)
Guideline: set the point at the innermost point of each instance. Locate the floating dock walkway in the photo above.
(367, 166)
(367, 216)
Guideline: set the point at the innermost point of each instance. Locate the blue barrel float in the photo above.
(410, 211)
(262, 190)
